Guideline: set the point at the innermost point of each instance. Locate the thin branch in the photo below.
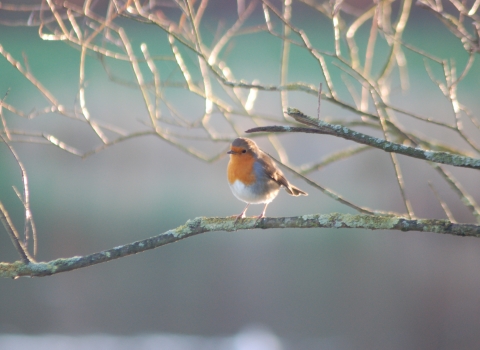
(329, 192)
(369, 59)
(379, 105)
(212, 58)
(5, 218)
(455, 185)
(340, 155)
(319, 100)
(444, 205)
(30, 77)
(284, 64)
(14, 236)
(322, 127)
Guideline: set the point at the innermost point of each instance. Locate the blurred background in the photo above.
(259, 289)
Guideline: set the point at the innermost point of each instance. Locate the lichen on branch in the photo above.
(202, 225)
(322, 127)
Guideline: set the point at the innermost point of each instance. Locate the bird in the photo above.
(253, 176)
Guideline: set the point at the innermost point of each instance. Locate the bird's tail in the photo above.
(295, 191)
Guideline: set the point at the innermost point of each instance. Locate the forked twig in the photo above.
(7, 222)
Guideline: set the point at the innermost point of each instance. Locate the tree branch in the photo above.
(322, 127)
(201, 225)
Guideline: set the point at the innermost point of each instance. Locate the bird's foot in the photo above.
(241, 216)
(260, 217)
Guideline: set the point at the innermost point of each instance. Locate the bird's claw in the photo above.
(260, 217)
(241, 216)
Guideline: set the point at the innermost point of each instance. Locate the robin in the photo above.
(253, 176)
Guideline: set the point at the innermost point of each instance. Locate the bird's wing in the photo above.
(271, 170)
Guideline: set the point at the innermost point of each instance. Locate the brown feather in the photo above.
(276, 175)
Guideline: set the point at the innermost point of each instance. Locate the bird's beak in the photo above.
(231, 152)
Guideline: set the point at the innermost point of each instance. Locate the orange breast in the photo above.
(240, 168)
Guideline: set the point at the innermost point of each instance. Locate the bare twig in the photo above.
(444, 205)
(337, 156)
(7, 222)
(319, 100)
(328, 192)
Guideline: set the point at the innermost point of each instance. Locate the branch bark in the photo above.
(321, 127)
(201, 225)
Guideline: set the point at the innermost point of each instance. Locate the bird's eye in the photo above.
(244, 151)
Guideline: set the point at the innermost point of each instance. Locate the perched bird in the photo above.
(253, 176)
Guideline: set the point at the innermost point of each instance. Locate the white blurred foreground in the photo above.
(248, 339)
